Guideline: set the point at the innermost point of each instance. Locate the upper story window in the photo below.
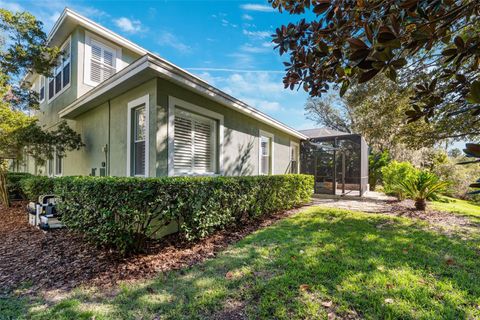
(39, 87)
(100, 60)
(41, 90)
(62, 72)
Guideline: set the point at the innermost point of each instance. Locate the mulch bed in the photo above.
(406, 208)
(61, 259)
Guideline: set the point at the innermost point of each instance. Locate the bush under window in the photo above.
(124, 212)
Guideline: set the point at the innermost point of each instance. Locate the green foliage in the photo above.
(394, 173)
(376, 161)
(346, 42)
(35, 186)
(421, 187)
(473, 151)
(459, 177)
(124, 212)
(14, 181)
(25, 49)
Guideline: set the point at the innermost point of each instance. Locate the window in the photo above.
(41, 90)
(100, 61)
(50, 167)
(58, 164)
(294, 157)
(266, 153)
(137, 137)
(55, 165)
(139, 134)
(194, 143)
(60, 79)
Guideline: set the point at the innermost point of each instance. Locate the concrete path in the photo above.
(371, 202)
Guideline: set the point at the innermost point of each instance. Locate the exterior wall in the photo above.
(127, 57)
(48, 113)
(106, 125)
(95, 131)
(241, 135)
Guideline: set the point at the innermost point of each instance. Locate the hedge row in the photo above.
(124, 212)
(14, 184)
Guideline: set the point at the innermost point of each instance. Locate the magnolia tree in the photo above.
(349, 42)
(25, 49)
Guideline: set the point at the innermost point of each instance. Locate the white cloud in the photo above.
(242, 60)
(252, 49)
(128, 25)
(168, 39)
(256, 7)
(257, 34)
(11, 6)
(247, 17)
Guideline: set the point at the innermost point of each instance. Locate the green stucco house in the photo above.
(140, 115)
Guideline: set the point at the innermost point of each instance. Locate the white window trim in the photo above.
(55, 95)
(88, 55)
(172, 103)
(45, 83)
(261, 134)
(53, 161)
(295, 144)
(144, 100)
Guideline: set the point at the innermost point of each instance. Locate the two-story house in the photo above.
(140, 115)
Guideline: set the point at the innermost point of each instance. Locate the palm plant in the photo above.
(422, 187)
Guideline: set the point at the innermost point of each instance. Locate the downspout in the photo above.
(109, 146)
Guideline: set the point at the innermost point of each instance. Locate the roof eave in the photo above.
(167, 71)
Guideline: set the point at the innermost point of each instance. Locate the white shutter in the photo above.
(203, 146)
(102, 62)
(183, 153)
(96, 63)
(194, 143)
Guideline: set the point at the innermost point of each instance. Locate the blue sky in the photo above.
(227, 43)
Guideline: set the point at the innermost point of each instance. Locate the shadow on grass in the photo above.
(381, 267)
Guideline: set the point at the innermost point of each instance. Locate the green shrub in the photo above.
(124, 212)
(376, 161)
(35, 186)
(14, 184)
(394, 173)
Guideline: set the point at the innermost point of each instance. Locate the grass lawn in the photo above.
(458, 206)
(317, 262)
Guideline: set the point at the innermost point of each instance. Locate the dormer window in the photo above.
(61, 74)
(100, 60)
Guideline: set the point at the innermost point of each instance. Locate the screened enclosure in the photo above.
(337, 160)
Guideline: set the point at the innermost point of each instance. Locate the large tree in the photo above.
(376, 110)
(25, 49)
(351, 41)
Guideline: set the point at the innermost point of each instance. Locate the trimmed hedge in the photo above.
(124, 212)
(14, 188)
(35, 186)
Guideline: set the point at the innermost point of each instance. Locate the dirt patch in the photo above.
(232, 310)
(61, 260)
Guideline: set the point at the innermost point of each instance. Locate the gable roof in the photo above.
(150, 64)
